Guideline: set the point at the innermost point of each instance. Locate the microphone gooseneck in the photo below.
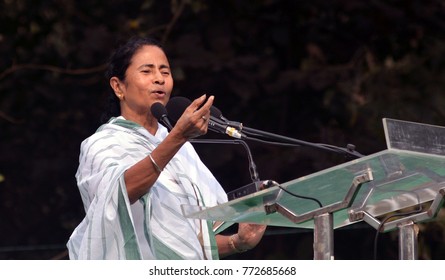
(276, 139)
(252, 166)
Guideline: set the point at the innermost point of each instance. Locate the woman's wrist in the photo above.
(234, 244)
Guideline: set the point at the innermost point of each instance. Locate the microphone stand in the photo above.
(252, 166)
(243, 132)
(252, 187)
(349, 150)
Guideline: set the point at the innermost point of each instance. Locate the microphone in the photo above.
(217, 114)
(160, 113)
(177, 105)
(215, 126)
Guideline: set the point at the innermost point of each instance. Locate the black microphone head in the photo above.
(215, 112)
(158, 110)
(176, 107)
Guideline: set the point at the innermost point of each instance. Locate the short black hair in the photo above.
(121, 58)
(117, 67)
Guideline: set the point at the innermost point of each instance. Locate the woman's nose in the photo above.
(158, 78)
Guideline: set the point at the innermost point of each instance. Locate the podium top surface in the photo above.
(401, 179)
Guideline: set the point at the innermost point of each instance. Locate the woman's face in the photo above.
(148, 80)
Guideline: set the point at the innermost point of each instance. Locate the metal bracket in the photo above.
(357, 181)
(417, 217)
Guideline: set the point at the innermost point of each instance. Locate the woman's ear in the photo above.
(115, 84)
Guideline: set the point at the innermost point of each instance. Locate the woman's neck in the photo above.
(149, 122)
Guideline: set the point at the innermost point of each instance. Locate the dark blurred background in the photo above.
(320, 71)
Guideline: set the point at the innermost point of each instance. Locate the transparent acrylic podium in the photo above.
(406, 181)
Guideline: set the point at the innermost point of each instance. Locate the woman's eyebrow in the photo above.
(162, 66)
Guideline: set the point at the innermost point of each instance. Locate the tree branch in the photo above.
(173, 21)
(10, 119)
(82, 71)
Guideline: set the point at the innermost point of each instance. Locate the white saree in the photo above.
(154, 226)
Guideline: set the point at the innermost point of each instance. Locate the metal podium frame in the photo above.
(323, 219)
(409, 174)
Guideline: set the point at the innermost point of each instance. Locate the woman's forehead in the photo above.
(150, 54)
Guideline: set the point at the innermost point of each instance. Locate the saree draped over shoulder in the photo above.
(154, 226)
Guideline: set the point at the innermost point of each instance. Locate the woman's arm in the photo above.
(140, 177)
(248, 236)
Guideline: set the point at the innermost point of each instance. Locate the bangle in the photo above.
(155, 164)
(232, 245)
